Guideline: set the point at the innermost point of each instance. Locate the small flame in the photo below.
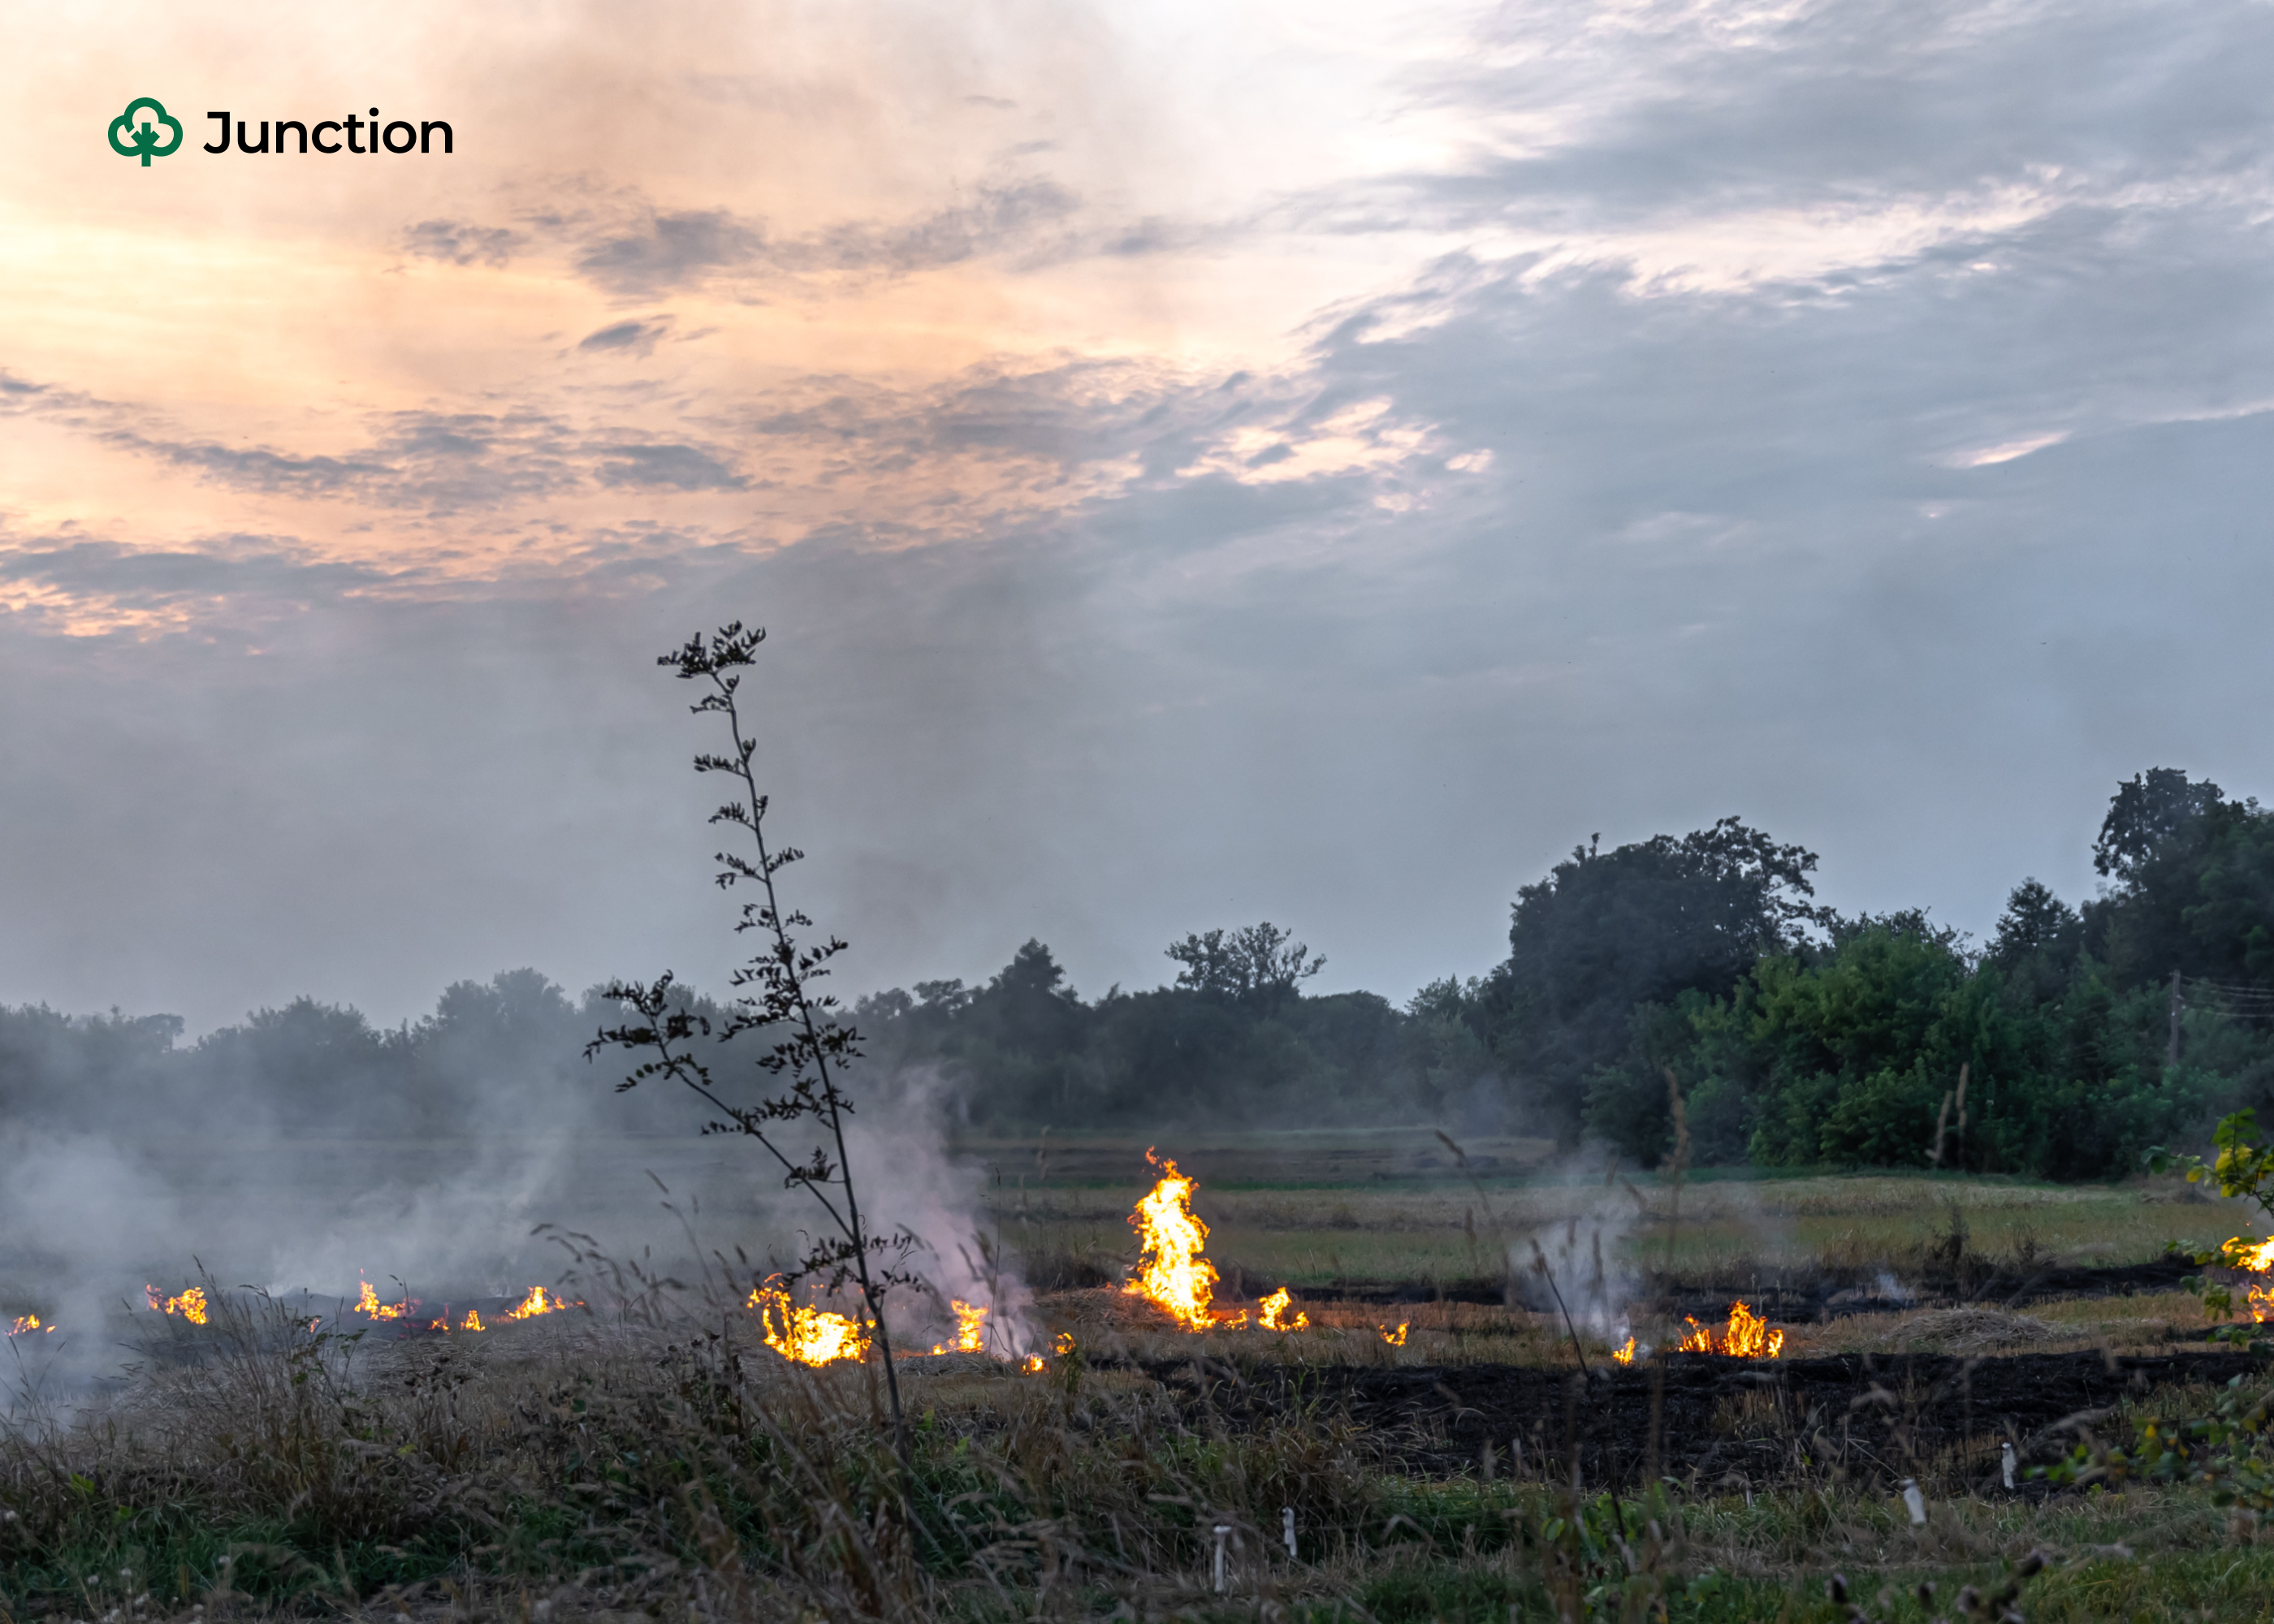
(191, 1305)
(970, 1329)
(1747, 1337)
(29, 1322)
(369, 1303)
(1273, 1312)
(2258, 1258)
(807, 1336)
(1626, 1355)
(473, 1322)
(1170, 1271)
(537, 1302)
(1397, 1338)
(1065, 1344)
(1033, 1362)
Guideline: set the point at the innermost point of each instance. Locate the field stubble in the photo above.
(649, 1456)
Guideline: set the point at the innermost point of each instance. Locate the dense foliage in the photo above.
(2069, 1044)
(2065, 1045)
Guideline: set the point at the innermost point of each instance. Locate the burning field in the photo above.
(1059, 1402)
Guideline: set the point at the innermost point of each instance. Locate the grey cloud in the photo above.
(657, 252)
(1072, 414)
(458, 243)
(668, 251)
(679, 468)
(998, 216)
(256, 468)
(447, 462)
(440, 462)
(1834, 106)
(244, 578)
(627, 337)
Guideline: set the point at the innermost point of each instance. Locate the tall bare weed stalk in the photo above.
(774, 996)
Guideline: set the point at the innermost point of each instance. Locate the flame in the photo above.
(1033, 1362)
(970, 1329)
(2258, 1258)
(1747, 1337)
(1172, 1271)
(807, 1336)
(473, 1322)
(369, 1303)
(1626, 1355)
(537, 1302)
(29, 1322)
(1273, 1312)
(191, 1305)
(1397, 1338)
(1065, 1344)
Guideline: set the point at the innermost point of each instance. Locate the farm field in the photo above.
(1313, 1210)
(651, 1453)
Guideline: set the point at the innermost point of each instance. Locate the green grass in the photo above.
(1281, 1208)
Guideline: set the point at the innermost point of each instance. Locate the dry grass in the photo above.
(658, 1460)
(1276, 1218)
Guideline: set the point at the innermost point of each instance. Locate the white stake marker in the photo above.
(1915, 1502)
(2008, 1462)
(1223, 1533)
(1287, 1527)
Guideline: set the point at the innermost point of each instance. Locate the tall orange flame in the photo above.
(807, 1336)
(970, 1329)
(1626, 1355)
(1747, 1337)
(191, 1305)
(370, 1305)
(1170, 1270)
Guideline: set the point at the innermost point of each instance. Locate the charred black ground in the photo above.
(1719, 1423)
(1795, 1299)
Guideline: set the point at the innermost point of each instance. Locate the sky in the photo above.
(1195, 464)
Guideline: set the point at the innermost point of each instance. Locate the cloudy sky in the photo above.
(1196, 463)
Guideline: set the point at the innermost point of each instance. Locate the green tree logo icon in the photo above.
(142, 140)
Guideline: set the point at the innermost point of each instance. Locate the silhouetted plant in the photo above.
(774, 996)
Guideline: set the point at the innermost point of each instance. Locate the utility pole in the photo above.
(2172, 1060)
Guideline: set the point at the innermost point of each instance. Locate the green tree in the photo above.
(1260, 964)
(1607, 931)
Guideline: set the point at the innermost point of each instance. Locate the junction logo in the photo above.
(133, 135)
(137, 133)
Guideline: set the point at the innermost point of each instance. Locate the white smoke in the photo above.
(1579, 1264)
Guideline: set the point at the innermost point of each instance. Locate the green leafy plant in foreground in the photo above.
(2242, 1168)
(2228, 1449)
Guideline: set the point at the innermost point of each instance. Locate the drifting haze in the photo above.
(1198, 465)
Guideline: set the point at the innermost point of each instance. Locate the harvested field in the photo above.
(1721, 1424)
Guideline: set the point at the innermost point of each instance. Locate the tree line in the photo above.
(2064, 1046)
